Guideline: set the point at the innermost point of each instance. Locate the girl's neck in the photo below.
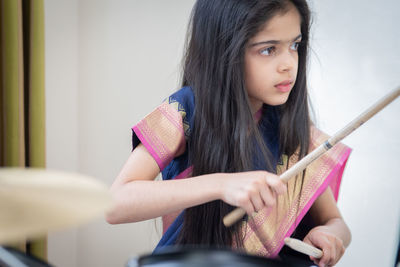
(257, 115)
(255, 105)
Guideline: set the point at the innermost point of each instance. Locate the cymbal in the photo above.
(36, 201)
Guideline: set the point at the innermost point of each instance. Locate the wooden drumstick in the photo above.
(238, 213)
(303, 247)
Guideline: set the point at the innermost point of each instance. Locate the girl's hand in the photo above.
(331, 245)
(251, 191)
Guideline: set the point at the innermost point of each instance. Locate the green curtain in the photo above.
(22, 103)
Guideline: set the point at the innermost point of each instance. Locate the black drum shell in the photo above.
(209, 258)
(23, 258)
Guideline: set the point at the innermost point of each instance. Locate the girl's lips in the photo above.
(284, 86)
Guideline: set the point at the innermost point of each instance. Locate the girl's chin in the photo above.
(277, 101)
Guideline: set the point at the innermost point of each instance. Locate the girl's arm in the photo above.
(138, 197)
(332, 235)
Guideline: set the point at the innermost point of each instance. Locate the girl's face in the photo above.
(271, 60)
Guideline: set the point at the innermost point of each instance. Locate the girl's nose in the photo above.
(287, 62)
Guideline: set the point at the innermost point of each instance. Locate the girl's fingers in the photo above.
(327, 249)
(332, 259)
(339, 250)
(244, 201)
(258, 203)
(268, 195)
(249, 208)
(308, 241)
(331, 246)
(252, 191)
(326, 257)
(266, 190)
(275, 183)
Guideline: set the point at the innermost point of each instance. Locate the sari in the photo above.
(164, 133)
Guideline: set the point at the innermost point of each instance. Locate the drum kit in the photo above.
(34, 202)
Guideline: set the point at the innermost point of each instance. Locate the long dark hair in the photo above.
(224, 135)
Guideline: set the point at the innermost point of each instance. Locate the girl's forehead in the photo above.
(281, 27)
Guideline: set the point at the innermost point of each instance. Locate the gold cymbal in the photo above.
(36, 201)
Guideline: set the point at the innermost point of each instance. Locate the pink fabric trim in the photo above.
(184, 174)
(145, 142)
(152, 140)
(171, 119)
(343, 161)
(338, 170)
(168, 219)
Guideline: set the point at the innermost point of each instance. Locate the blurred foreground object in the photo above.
(37, 201)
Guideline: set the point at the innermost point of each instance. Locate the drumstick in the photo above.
(238, 213)
(303, 247)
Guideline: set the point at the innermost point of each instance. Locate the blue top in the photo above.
(269, 127)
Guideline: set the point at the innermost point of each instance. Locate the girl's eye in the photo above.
(268, 51)
(295, 46)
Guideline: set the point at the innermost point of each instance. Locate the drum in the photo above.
(10, 257)
(208, 258)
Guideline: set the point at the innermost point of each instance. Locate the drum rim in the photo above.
(181, 253)
(19, 254)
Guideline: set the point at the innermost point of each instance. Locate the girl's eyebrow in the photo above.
(274, 41)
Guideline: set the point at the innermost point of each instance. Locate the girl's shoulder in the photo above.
(164, 131)
(183, 96)
(183, 102)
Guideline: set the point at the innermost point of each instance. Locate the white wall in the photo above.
(113, 61)
(356, 62)
(61, 48)
(108, 63)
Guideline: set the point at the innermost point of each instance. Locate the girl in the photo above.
(240, 119)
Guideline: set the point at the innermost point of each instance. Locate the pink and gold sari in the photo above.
(264, 234)
(163, 132)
